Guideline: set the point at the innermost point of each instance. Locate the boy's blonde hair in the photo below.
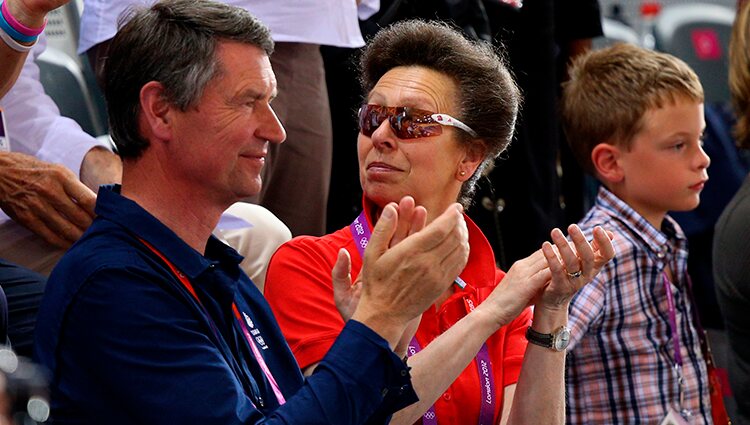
(739, 74)
(611, 89)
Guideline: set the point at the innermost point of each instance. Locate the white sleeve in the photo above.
(368, 8)
(35, 126)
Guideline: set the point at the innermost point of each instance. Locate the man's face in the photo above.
(221, 144)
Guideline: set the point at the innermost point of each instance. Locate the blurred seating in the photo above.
(62, 40)
(64, 82)
(615, 32)
(698, 33)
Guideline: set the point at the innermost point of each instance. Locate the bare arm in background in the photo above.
(32, 14)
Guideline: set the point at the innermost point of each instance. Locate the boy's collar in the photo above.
(655, 239)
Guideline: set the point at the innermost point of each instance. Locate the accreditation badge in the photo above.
(673, 418)
(4, 140)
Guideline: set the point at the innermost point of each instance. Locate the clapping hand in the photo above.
(406, 266)
(573, 264)
(550, 277)
(411, 219)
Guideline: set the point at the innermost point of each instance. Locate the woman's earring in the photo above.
(462, 173)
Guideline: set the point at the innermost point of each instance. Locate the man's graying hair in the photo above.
(172, 42)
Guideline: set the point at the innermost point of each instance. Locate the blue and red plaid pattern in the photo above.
(620, 366)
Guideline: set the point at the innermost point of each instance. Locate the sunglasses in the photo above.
(406, 122)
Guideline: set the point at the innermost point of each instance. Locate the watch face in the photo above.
(562, 338)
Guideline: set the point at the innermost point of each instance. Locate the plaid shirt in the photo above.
(620, 366)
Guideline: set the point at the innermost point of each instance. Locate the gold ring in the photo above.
(575, 274)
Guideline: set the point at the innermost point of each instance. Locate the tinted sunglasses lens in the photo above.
(370, 118)
(406, 123)
(415, 124)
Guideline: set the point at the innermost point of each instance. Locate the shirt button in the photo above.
(446, 397)
(404, 372)
(403, 389)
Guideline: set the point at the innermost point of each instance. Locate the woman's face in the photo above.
(427, 168)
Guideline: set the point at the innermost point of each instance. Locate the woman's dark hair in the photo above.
(488, 96)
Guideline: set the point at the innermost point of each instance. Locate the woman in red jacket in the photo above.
(438, 110)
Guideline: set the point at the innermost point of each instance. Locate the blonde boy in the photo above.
(634, 119)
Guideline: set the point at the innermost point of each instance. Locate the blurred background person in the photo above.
(731, 248)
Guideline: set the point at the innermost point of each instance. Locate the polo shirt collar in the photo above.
(112, 206)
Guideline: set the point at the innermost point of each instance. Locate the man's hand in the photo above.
(411, 219)
(46, 198)
(400, 282)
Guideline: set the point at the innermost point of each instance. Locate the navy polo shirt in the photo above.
(126, 343)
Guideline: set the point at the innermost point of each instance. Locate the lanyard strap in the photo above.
(486, 386)
(672, 320)
(676, 346)
(362, 233)
(257, 355)
(248, 337)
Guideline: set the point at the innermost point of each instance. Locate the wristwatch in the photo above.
(558, 340)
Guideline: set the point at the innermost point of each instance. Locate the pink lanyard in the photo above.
(250, 340)
(676, 345)
(361, 233)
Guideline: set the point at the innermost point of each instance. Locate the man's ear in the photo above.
(473, 156)
(605, 158)
(155, 120)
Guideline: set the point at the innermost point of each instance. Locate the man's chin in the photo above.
(250, 192)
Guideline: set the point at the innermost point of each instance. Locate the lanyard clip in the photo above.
(684, 412)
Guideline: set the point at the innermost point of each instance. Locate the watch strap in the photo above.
(538, 338)
(556, 341)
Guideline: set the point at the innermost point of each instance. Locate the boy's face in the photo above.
(665, 168)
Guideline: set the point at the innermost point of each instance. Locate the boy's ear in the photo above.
(605, 158)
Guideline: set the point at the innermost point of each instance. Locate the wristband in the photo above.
(16, 29)
(15, 45)
(17, 25)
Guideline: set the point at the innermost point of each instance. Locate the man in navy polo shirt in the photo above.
(149, 319)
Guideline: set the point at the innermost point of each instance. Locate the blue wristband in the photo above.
(5, 26)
